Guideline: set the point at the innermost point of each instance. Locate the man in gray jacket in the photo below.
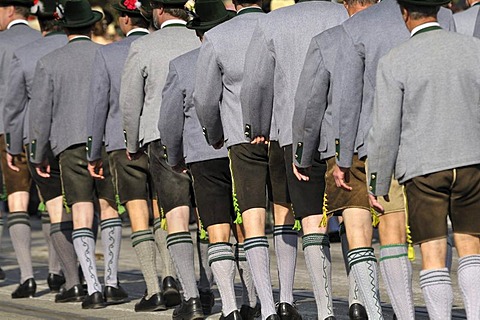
(142, 82)
(280, 43)
(16, 111)
(426, 130)
(369, 35)
(130, 176)
(182, 135)
(219, 77)
(469, 20)
(315, 125)
(16, 33)
(58, 114)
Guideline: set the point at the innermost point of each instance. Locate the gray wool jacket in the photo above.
(426, 116)
(279, 45)
(143, 79)
(17, 36)
(465, 21)
(219, 77)
(315, 120)
(60, 96)
(179, 126)
(104, 118)
(19, 93)
(370, 34)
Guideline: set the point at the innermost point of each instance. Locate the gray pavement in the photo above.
(42, 306)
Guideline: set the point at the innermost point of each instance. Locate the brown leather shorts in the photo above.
(432, 197)
(15, 181)
(338, 199)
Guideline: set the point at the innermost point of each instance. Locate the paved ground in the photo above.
(44, 307)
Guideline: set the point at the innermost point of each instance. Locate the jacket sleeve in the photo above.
(384, 135)
(41, 113)
(132, 96)
(208, 92)
(347, 97)
(98, 107)
(16, 101)
(172, 117)
(257, 91)
(310, 106)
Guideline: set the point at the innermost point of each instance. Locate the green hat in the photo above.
(78, 14)
(18, 3)
(170, 3)
(133, 7)
(208, 14)
(426, 3)
(47, 9)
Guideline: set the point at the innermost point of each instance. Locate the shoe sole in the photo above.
(112, 302)
(157, 308)
(95, 306)
(72, 299)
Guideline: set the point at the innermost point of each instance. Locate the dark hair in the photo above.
(419, 11)
(360, 2)
(23, 11)
(82, 31)
(49, 25)
(247, 3)
(140, 22)
(177, 13)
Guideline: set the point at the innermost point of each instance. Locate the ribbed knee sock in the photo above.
(316, 247)
(206, 276)
(84, 243)
(222, 262)
(469, 281)
(53, 260)
(256, 250)
(438, 294)
(143, 243)
(397, 274)
(353, 291)
(363, 265)
(61, 235)
(20, 233)
(180, 245)
(286, 242)
(167, 267)
(111, 240)
(249, 295)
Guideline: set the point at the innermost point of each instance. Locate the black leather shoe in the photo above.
(155, 303)
(171, 292)
(249, 313)
(273, 317)
(331, 318)
(114, 295)
(55, 282)
(288, 312)
(394, 317)
(234, 315)
(2, 274)
(189, 310)
(94, 301)
(25, 290)
(208, 300)
(357, 312)
(74, 294)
